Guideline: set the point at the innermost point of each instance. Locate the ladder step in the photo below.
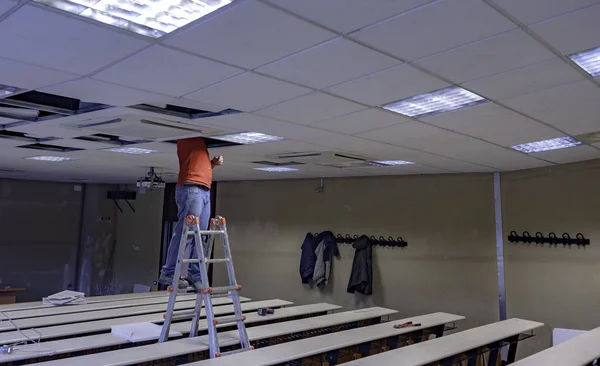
(221, 290)
(190, 261)
(235, 351)
(229, 320)
(181, 315)
(218, 260)
(211, 232)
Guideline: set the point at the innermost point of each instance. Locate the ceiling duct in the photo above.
(138, 127)
(330, 159)
(36, 106)
(183, 112)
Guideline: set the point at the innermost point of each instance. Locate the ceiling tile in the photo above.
(249, 34)
(403, 133)
(166, 71)
(81, 144)
(494, 123)
(411, 36)
(583, 29)
(361, 121)
(570, 155)
(6, 5)
(532, 11)
(61, 42)
(27, 76)
(310, 108)
(248, 92)
(96, 91)
(348, 15)
(500, 53)
(46, 129)
(525, 80)
(388, 86)
(573, 108)
(329, 63)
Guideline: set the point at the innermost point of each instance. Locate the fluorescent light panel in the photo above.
(436, 102)
(152, 18)
(278, 169)
(52, 159)
(588, 60)
(547, 145)
(393, 162)
(131, 150)
(248, 138)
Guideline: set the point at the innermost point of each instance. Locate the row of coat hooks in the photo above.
(539, 238)
(390, 242)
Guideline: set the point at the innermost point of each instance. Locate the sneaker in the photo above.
(196, 285)
(168, 281)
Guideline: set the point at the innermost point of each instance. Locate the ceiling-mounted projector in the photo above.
(151, 181)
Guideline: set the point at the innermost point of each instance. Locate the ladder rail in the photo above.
(201, 254)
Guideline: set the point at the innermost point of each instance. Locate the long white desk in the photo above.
(99, 341)
(137, 355)
(71, 330)
(101, 314)
(90, 300)
(447, 347)
(322, 344)
(104, 305)
(579, 351)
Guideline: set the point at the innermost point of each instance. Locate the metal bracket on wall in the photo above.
(122, 195)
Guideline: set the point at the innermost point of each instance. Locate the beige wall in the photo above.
(448, 222)
(560, 286)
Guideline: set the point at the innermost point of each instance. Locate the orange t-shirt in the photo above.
(194, 162)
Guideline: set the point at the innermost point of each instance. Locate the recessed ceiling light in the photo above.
(392, 162)
(588, 60)
(276, 169)
(436, 102)
(6, 90)
(248, 138)
(53, 159)
(131, 150)
(547, 145)
(152, 18)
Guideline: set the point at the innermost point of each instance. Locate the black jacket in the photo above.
(361, 277)
(308, 258)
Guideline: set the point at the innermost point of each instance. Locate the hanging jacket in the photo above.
(319, 273)
(361, 277)
(330, 249)
(308, 258)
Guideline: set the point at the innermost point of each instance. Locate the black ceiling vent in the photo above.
(183, 112)
(292, 155)
(108, 139)
(53, 148)
(4, 134)
(36, 106)
(272, 163)
(211, 143)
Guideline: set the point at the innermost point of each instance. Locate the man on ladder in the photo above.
(192, 196)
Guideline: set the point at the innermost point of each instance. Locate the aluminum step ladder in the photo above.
(218, 227)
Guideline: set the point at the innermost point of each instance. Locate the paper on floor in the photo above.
(140, 332)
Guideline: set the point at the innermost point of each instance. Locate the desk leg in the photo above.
(493, 356)
(472, 357)
(512, 349)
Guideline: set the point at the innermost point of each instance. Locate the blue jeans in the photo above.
(192, 200)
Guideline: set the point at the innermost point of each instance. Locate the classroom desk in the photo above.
(90, 300)
(70, 330)
(105, 305)
(103, 341)
(159, 351)
(444, 350)
(101, 314)
(579, 351)
(331, 343)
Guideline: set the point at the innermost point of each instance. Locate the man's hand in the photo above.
(217, 160)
